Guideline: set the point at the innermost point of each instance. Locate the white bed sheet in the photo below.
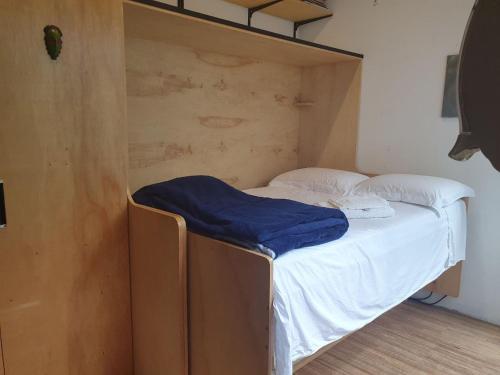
(322, 293)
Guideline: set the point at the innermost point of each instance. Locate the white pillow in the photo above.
(428, 191)
(321, 180)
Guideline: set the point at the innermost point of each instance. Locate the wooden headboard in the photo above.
(193, 112)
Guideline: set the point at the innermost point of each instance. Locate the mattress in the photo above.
(325, 292)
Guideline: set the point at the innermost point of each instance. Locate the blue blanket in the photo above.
(215, 209)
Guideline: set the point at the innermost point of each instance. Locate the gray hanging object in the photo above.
(53, 41)
(479, 85)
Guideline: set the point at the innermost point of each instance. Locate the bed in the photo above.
(248, 314)
(323, 293)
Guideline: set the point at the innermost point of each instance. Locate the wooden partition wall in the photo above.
(205, 98)
(64, 271)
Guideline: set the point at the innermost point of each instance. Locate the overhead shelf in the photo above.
(292, 10)
(300, 12)
(152, 20)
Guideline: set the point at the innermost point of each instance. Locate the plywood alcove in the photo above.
(207, 96)
(211, 98)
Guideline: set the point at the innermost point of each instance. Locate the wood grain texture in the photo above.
(448, 283)
(2, 369)
(193, 112)
(415, 339)
(64, 284)
(158, 269)
(304, 362)
(210, 99)
(144, 22)
(292, 10)
(329, 128)
(230, 309)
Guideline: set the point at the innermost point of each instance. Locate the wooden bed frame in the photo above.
(199, 304)
(229, 291)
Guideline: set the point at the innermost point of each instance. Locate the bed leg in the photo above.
(448, 283)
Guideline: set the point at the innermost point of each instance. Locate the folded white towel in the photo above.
(358, 202)
(370, 213)
(361, 207)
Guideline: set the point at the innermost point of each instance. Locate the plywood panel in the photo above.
(194, 112)
(150, 23)
(64, 286)
(230, 299)
(329, 128)
(159, 291)
(2, 370)
(448, 283)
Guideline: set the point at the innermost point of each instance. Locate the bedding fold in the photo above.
(367, 213)
(368, 206)
(358, 202)
(215, 209)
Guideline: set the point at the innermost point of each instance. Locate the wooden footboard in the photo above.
(230, 299)
(159, 294)
(230, 314)
(224, 291)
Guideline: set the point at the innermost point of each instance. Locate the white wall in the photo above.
(405, 43)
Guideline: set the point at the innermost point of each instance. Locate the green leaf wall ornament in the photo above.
(53, 41)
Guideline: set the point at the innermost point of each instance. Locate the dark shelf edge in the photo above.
(206, 17)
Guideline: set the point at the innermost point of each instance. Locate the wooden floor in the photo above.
(415, 339)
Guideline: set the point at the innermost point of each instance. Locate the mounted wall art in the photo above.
(450, 99)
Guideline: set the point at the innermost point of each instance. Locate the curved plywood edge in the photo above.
(158, 268)
(174, 217)
(230, 309)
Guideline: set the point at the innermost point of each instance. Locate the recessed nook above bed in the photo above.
(207, 96)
